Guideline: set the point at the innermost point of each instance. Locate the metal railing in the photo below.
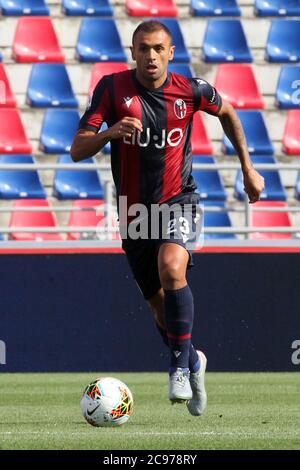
(109, 207)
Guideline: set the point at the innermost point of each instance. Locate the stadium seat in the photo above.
(151, 8)
(209, 183)
(7, 98)
(274, 189)
(41, 45)
(237, 84)
(99, 41)
(13, 137)
(24, 7)
(283, 44)
(20, 184)
(216, 219)
(77, 184)
(183, 69)
(256, 134)
(287, 93)
(201, 142)
(270, 219)
(225, 41)
(181, 52)
(21, 219)
(105, 68)
(291, 135)
(215, 8)
(277, 8)
(58, 130)
(50, 86)
(86, 218)
(90, 218)
(87, 8)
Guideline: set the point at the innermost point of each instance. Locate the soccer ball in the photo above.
(106, 402)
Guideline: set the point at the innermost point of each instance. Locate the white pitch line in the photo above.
(239, 434)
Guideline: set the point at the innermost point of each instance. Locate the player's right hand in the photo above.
(125, 127)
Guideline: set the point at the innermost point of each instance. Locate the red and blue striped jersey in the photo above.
(156, 165)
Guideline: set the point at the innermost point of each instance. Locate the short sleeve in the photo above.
(206, 97)
(98, 109)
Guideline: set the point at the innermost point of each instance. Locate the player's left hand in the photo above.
(254, 184)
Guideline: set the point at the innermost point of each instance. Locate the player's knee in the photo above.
(171, 274)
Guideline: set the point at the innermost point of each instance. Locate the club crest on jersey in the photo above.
(180, 108)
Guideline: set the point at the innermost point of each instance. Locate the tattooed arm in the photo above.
(253, 181)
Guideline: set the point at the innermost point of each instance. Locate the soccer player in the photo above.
(149, 114)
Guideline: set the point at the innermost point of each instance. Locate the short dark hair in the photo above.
(150, 26)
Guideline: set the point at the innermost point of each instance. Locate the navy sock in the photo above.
(179, 316)
(194, 363)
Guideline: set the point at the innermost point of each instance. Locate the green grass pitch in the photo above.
(245, 411)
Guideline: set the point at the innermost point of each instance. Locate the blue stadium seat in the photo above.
(106, 149)
(20, 184)
(209, 183)
(50, 86)
(215, 8)
(225, 41)
(277, 8)
(274, 189)
(216, 219)
(256, 132)
(99, 41)
(24, 8)
(283, 44)
(58, 130)
(183, 69)
(181, 52)
(76, 184)
(87, 8)
(287, 93)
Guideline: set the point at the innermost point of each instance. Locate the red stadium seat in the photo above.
(105, 68)
(33, 219)
(91, 218)
(7, 98)
(151, 8)
(41, 45)
(272, 219)
(237, 84)
(200, 141)
(291, 135)
(13, 137)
